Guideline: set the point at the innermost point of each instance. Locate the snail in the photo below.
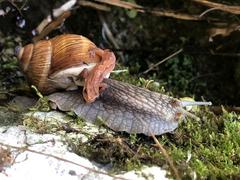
(125, 107)
(63, 62)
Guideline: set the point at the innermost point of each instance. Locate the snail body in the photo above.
(59, 63)
(125, 107)
(62, 62)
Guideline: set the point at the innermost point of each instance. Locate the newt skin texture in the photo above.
(93, 84)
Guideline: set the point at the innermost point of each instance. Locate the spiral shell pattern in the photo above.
(47, 57)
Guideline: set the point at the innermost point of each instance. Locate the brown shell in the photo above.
(25, 55)
(39, 64)
(71, 50)
(46, 57)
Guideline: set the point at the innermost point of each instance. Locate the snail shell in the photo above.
(54, 64)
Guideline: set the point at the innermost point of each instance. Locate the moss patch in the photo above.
(9, 117)
(209, 148)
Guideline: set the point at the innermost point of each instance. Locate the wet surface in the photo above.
(124, 107)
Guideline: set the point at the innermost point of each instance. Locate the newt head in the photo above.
(93, 78)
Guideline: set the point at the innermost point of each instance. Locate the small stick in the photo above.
(207, 11)
(119, 71)
(94, 5)
(141, 9)
(110, 36)
(16, 7)
(25, 148)
(222, 7)
(56, 13)
(162, 61)
(220, 109)
(165, 154)
(52, 25)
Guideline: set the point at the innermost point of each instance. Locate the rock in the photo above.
(22, 103)
(50, 158)
(8, 117)
(25, 154)
(55, 121)
(10, 113)
(31, 165)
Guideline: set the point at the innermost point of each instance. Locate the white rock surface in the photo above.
(34, 166)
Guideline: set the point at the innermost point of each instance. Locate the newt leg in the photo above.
(106, 64)
(102, 87)
(88, 93)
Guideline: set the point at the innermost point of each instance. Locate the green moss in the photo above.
(214, 145)
(151, 84)
(10, 77)
(209, 148)
(9, 117)
(39, 126)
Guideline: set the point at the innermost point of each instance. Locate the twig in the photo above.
(123, 4)
(161, 148)
(23, 5)
(169, 160)
(162, 61)
(223, 7)
(108, 33)
(52, 25)
(207, 11)
(16, 7)
(141, 9)
(204, 76)
(56, 13)
(219, 109)
(24, 148)
(173, 14)
(119, 71)
(94, 5)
